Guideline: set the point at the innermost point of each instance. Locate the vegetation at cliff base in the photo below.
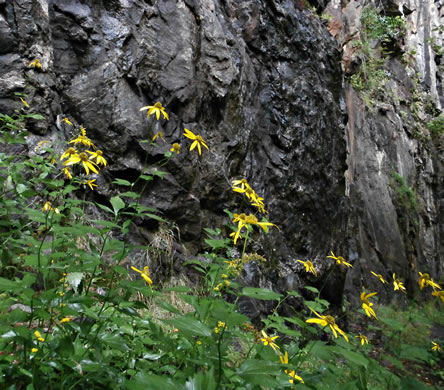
(80, 310)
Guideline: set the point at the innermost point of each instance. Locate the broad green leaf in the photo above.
(392, 323)
(74, 279)
(130, 194)
(261, 293)
(191, 326)
(106, 208)
(202, 381)
(312, 289)
(410, 383)
(160, 174)
(146, 178)
(351, 356)
(218, 244)
(10, 285)
(260, 372)
(122, 182)
(117, 203)
(149, 381)
(21, 188)
(153, 216)
(294, 294)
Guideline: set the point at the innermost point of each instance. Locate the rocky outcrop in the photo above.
(263, 83)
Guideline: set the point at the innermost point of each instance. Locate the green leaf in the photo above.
(9, 285)
(218, 244)
(130, 194)
(160, 174)
(191, 326)
(122, 182)
(394, 324)
(294, 294)
(106, 208)
(117, 203)
(261, 293)
(259, 372)
(74, 279)
(144, 381)
(34, 116)
(120, 270)
(21, 188)
(154, 216)
(354, 358)
(410, 383)
(202, 381)
(312, 289)
(146, 178)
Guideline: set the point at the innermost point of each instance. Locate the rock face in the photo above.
(263, 83)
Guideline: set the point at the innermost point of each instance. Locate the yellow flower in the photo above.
(308, 267)
(379, 276)
(267, 340)
(156, 109)
(198, 140)
(367, 305)
(425, 280)
(35, 64)
(439, 294)
(327, 320)
(68, 153)
(82, 139)
(64, 320)
(98, 156)
(436, 347)
(39, 336)
(221, 324)
(25, 103)
(242, 183)
(339, 259)
(67, 121)
(175, 148)
(34, 350)
(398, 285)
(159, 134)
(284, 359)
(67, 173)
(364, 339)
(90, 183)
(145, 274)
(245, 220)
(47, 207)
(84, 159)
(198, 342)
(293, 375)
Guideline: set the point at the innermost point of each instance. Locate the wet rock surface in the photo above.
(263, 84)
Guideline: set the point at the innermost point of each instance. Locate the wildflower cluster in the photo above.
(158, 109)
(221, 326)
(243, 187)
(89, 160)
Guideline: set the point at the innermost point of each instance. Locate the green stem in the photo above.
(219, 380)
(245, 244)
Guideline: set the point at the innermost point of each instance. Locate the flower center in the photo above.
(83, 157)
